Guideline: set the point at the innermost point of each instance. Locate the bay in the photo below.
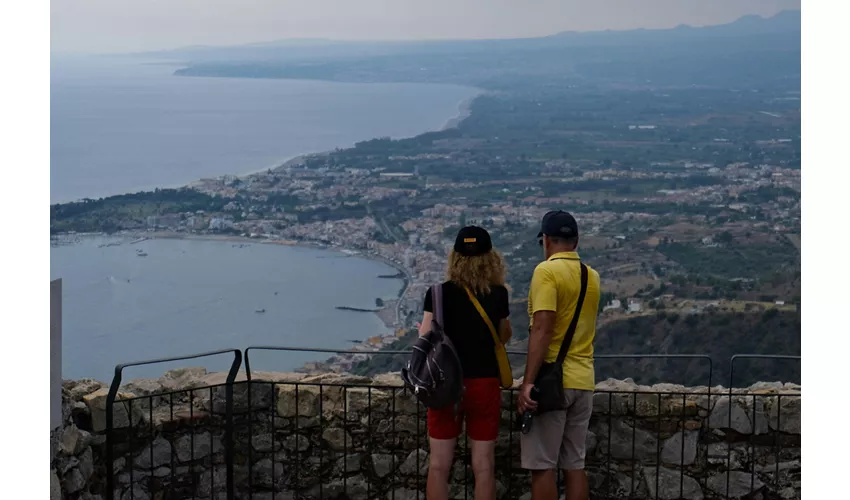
(189, 296)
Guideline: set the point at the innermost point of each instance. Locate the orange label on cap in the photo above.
(469, 240)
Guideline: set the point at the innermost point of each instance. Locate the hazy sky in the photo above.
(99, 26)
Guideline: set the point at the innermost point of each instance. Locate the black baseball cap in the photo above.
(559, 224)
(472, 241)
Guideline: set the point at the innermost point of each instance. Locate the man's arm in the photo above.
(542, 331)
(543, 300)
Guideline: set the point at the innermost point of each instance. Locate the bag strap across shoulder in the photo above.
(571, 330)
(484, 316)
(437, 302)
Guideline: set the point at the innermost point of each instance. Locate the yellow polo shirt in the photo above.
(555, 286)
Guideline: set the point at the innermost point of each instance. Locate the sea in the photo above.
(125, 301)
(122, 125)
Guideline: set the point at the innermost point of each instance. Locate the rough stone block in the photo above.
(74, 440)
(76, 389)
(212, 481)
(156, 454)
(740, 484)
(348, 464)
(404, 494)
(266, 442)
(383, 464)
(296, 443)
(182, 379)
(203, 445)
(266, 473)
(147, 390)
(739, 421)
(681, 448)
(615, 403)
(55, 486)
(73, 481)
(295, 400)
(409, 466)
(671, 484)
(336, 439)
(627, 442)
(137, 493)
(721, 454)
(121, 410)
(785, 414)
(362, 400)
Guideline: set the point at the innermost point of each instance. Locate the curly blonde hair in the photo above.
(476, 273)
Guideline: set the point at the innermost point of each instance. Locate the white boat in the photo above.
(259, 310)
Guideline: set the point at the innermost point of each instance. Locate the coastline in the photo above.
(390, 314)
(464, 111)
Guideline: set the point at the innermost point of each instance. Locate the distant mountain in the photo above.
(784, 23)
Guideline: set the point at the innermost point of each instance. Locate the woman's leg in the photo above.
(483, 466)
(482, 427)
(439, 468)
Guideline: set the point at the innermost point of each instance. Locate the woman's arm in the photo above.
(425, 326)
(505, 330)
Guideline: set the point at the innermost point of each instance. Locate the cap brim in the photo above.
(540, 234)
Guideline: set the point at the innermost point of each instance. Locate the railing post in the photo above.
(228, 423)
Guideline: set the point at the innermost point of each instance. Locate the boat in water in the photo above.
(259, 310)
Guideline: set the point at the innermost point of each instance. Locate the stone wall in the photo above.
(335, 436)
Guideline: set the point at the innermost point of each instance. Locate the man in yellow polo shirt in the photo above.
(557, 438)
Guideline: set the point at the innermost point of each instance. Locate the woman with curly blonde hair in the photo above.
(476, 269)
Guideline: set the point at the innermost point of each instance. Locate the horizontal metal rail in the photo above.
(704, 357)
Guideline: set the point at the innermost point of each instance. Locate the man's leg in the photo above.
(575, 485)
(544, 485)
(579, 410)
(539, 453)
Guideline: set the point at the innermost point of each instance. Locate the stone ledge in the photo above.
(369, 436)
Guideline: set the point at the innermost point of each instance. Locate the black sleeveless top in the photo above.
(468, 331)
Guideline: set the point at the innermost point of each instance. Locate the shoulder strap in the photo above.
(568, 336)
(437, 302)
(484, 316)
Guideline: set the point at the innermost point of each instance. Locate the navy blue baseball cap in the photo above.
(559, 224)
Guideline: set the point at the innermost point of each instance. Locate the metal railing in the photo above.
(228, 427)
(319, 439)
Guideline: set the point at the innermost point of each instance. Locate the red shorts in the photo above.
(481, 406)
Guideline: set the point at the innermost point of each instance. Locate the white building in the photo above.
(614, 304)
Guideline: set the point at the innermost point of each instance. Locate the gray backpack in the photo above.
(434, 373)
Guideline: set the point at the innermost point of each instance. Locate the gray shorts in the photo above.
(559, 437)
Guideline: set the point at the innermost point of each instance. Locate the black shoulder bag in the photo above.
(549, 382)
